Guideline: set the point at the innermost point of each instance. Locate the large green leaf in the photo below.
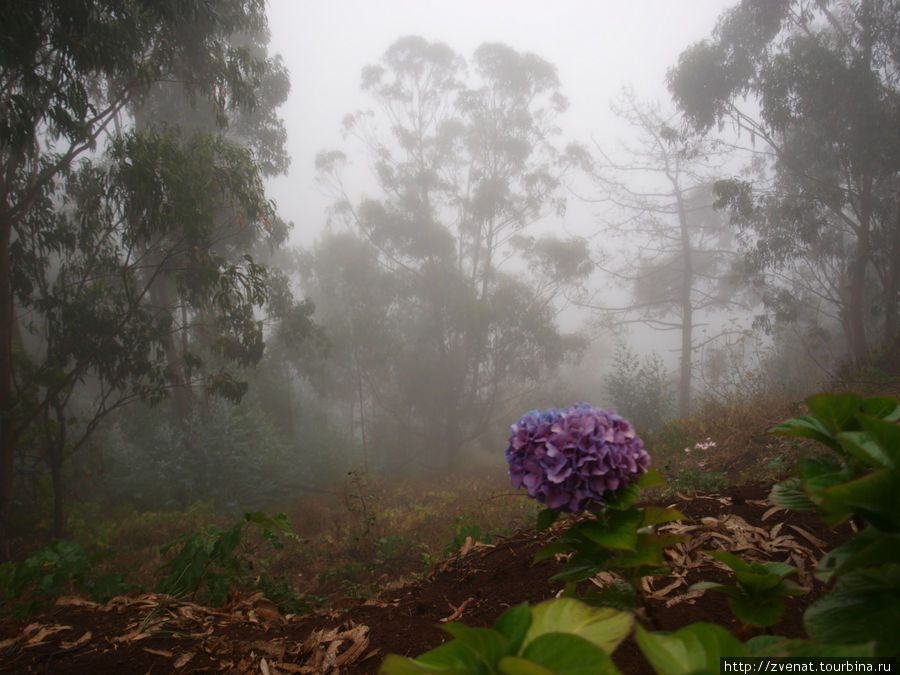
(696, 648)
(886, 435)
(860, 445)
(806, 427)
(489, 645)
(868, 548)
(567, 654)
(759, 611)
(775, 645)
(619, 531)
(874, 496)
(451, 658)
(836, 412)
(883, 407)
(514, 624)
(864, 606)
(602, 626)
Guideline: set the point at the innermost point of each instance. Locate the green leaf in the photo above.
(652, 478)
(868, 548)
(551, 550)
(546, 518)
(568, 654)
(882, 407)
(886, 435)
(518, 665)
(696, 648)
(864, 606)
(618, 532)
(451, 657)
(623, 498)
(862, 446)
(875, 497)
(489, 645)
(718, 588)
(836, 412)
(805, 427)
(735, 563)
(654, 515)
(775, 645)
(602, 626)
(616, 594)
(400, 665)
(514, 624)
(761, 611)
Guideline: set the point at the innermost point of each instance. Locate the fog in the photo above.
(460, 212)
(597, 48)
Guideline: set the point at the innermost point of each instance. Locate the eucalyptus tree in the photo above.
(464, 162)
(678, 253)
(94, 210)
(814, 86)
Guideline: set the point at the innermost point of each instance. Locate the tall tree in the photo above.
(661, 198)
(77, 221)
(463, 169)
(815, 84)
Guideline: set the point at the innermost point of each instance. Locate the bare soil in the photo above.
(155, 634)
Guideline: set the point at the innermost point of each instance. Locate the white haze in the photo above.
(597, 46)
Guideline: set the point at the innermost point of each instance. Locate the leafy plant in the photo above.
(32, 586)
(621, 538)
(462, 531)
(757, 598)
(556, 636)
(860, 480)
(209, 562)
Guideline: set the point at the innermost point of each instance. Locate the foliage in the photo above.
(209, 563)
(816, 87)
(857, 619)
(415, 294)
(640, 388)
(559, 636)
(621, 538)
(31, 586)
(232, 455)
(674, 251)
(111, 231)
(757, 598)
(860, 480)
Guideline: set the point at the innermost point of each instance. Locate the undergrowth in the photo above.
(353, 536)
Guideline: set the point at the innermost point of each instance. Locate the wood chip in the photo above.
(183, 660)
(458, 611)
(159, 652)
(814, 540)
(76, 643)
(774, 509)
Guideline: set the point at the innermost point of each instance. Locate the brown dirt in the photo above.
(154, 634)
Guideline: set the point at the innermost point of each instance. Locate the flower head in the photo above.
(569, 458)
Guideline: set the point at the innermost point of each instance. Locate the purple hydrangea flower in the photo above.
(569, 458)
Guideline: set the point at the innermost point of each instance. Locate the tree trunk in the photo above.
(56, 445)
(7, 435)
(859, 347)
(891, 290)
(687, 311)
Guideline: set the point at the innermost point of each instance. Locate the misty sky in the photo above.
(597, 46)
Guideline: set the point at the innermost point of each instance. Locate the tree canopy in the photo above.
(99, 208)
(815, 87)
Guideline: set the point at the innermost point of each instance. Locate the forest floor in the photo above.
(149, 633)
